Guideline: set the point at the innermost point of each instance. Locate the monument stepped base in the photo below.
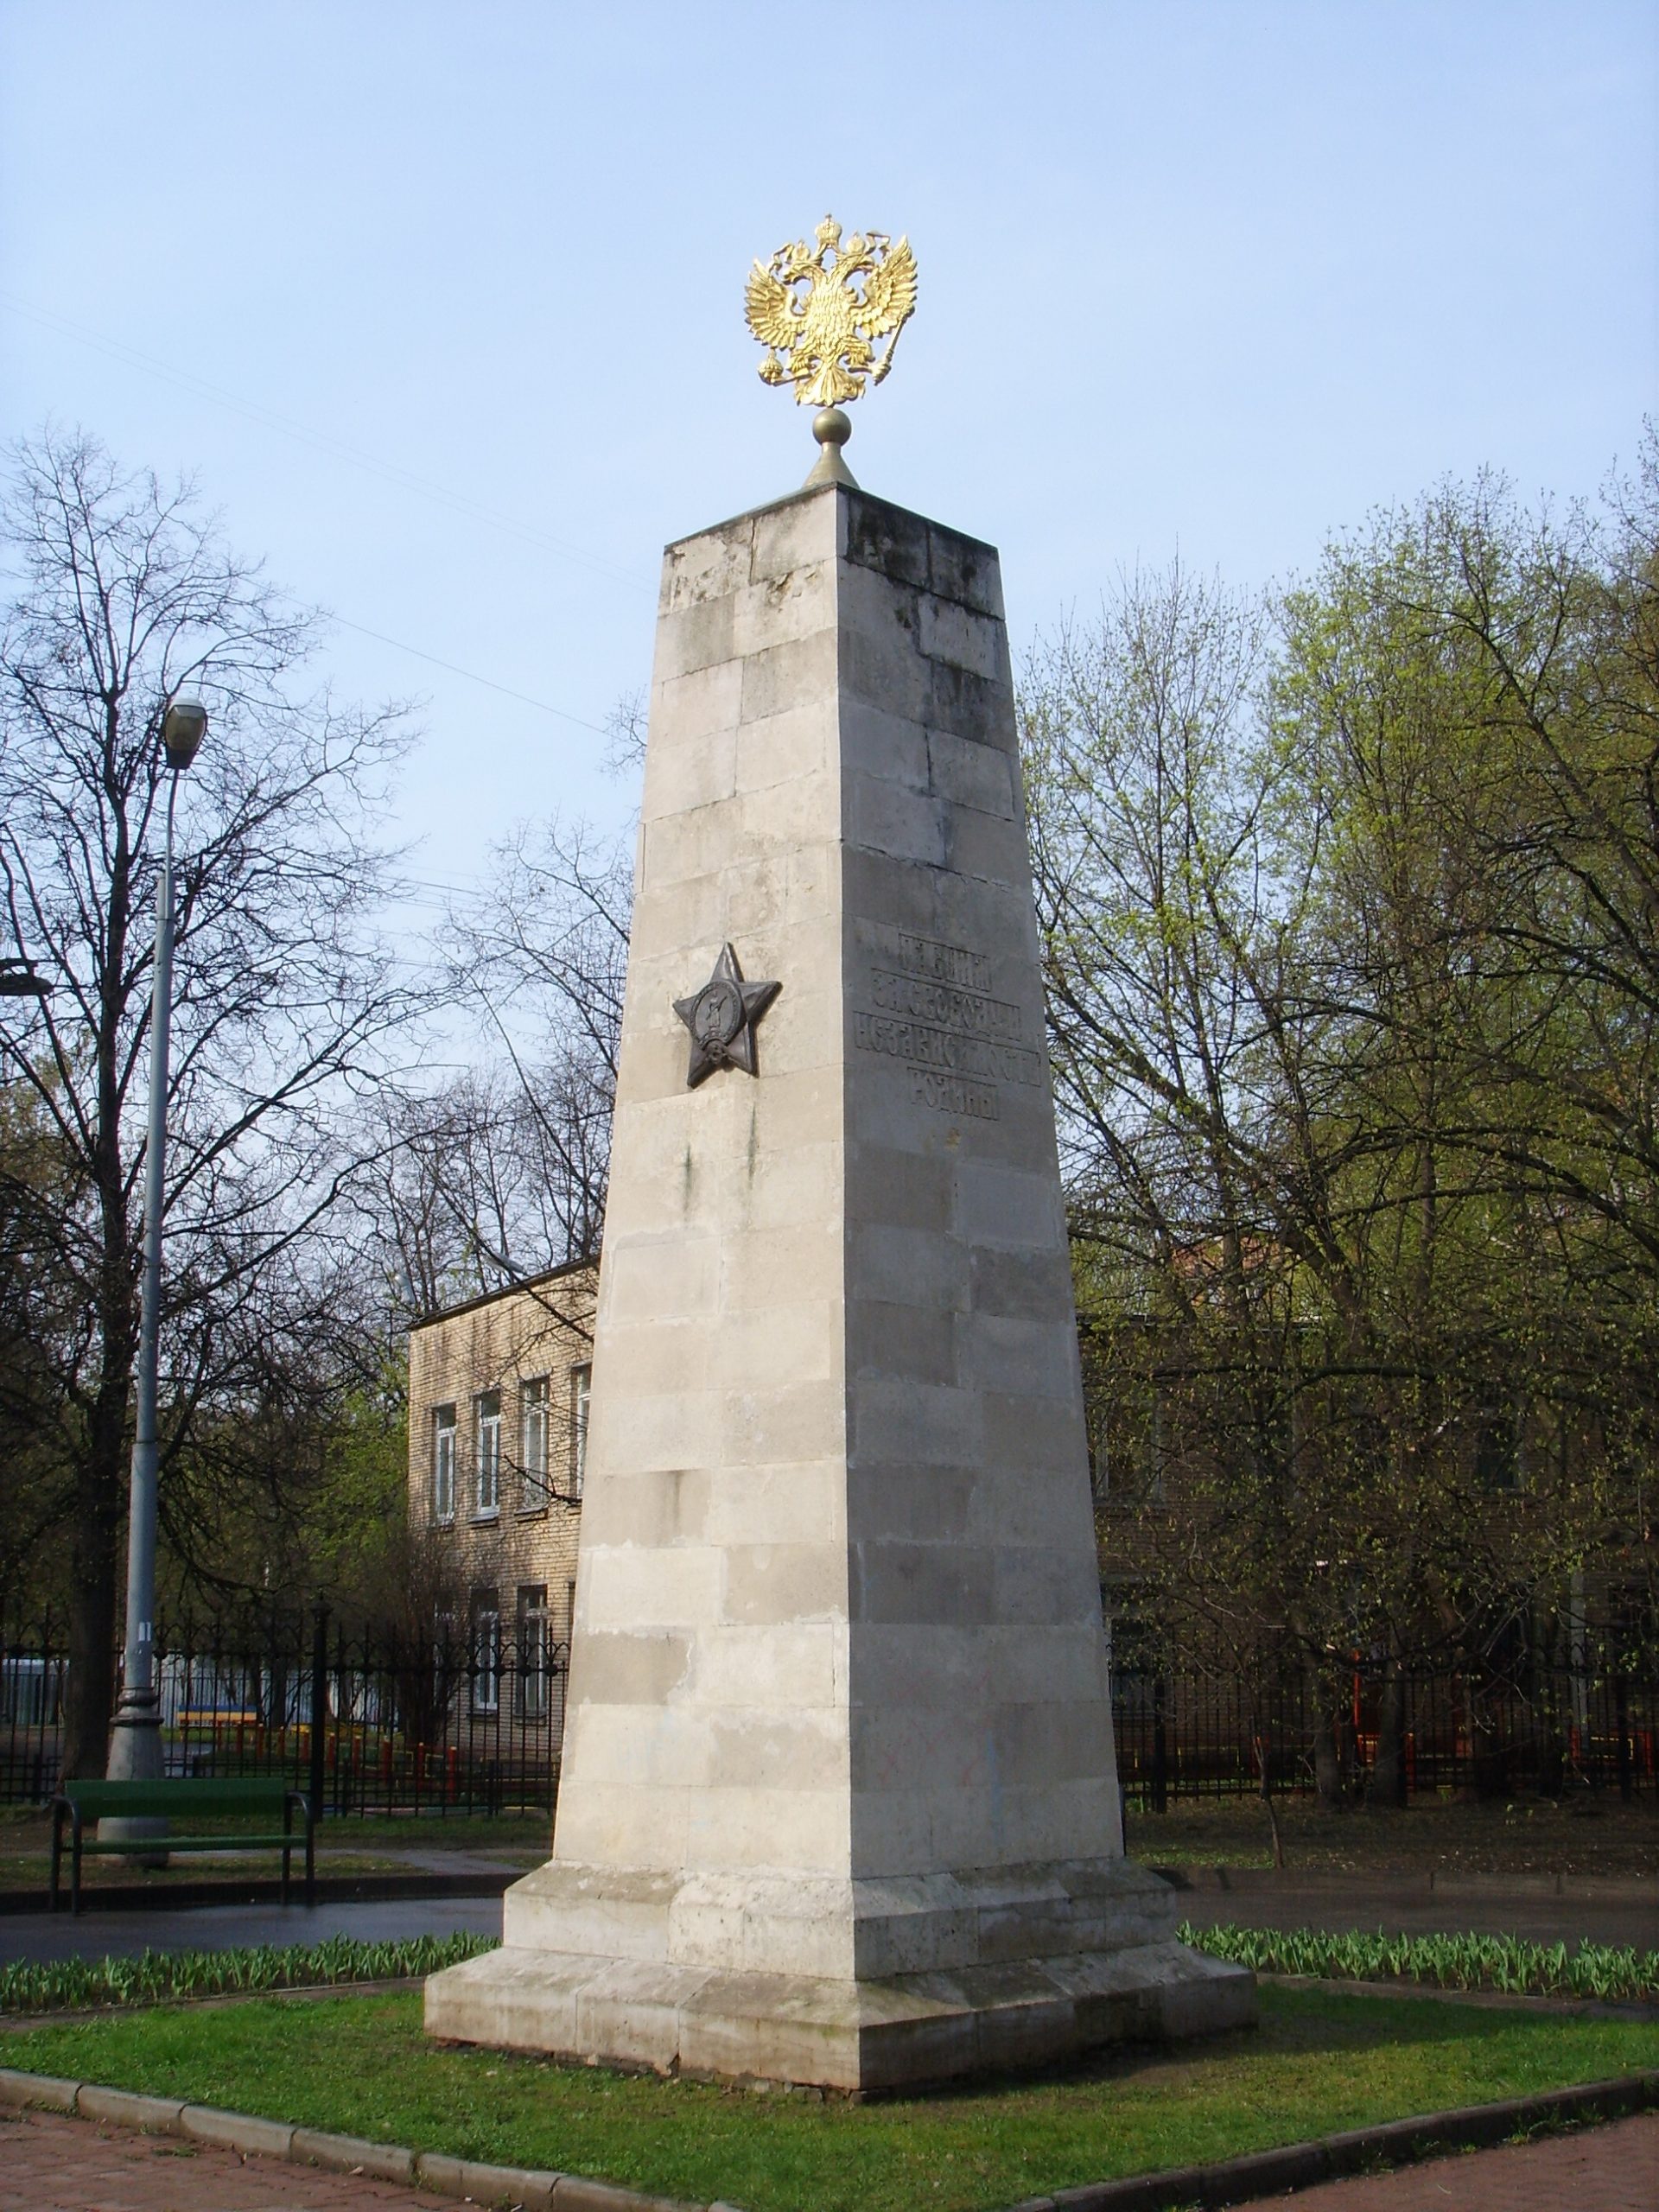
(1005, 1968)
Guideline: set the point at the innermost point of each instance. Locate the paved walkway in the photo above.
(51, 2163)
(222, 1927)
(1345, 1904)
(1612, 2169)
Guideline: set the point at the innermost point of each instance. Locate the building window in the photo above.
(489, 1455)
(582, 1382)
(1498, 1452)
(1100, 1456)
(534, 1652)
(533, 1443)
(443, 1463)
(486, 1651)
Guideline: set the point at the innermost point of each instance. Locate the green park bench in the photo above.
(260, 1798)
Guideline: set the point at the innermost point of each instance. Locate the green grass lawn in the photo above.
(1590, 1834)
(1317, 2063)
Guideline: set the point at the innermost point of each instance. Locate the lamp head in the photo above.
(183, 726)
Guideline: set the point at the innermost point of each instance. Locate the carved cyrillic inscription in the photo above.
(935, 1012)
(951, 1053)
(948, 1094)
(945, 1006)
(940, 963)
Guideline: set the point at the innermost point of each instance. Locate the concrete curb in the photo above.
(350, 2154)
(237, 2131)
(1333, 2158)
(470, 2179)
(1231, 2181)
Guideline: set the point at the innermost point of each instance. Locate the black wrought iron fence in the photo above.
(1183, 1734)
(472, 1721)
(461, 1722)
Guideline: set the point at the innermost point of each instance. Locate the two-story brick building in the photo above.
(497, 1402)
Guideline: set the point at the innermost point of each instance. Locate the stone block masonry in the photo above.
(839, 1803)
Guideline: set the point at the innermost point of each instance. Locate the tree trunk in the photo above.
(101, 1475)
(1389, 1777)
(89, 1691)
(100, 1498)
(1265, 1779)
(1327, 1754)
(1487, 1734)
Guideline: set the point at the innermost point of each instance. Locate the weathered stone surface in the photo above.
(839, 1803)
(522, 2189)
(49, 2091)
(127, 2108)
(237, 2131)
(877, 2032)
(352, 2154)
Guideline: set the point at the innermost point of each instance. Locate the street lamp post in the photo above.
(135, 1736)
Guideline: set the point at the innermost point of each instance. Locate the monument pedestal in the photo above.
(899, 1982)
(839, 1803)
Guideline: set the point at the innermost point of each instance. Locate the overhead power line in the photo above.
(119, 349)
(471, 674)
(324, 441)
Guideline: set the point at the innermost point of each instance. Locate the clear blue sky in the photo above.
(1220, 276)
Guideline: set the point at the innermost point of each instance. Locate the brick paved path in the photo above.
(49, 2163)
(1612, 2169)
(52, 2163)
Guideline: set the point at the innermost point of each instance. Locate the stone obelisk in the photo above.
(839, 1803)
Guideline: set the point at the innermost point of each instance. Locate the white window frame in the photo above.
(535, 1651)
(444, 1435)
(486, 1658)
(582, 1398)
(533, 1410)
(487, 1432)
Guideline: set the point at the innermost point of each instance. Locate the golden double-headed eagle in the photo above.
(822, 310)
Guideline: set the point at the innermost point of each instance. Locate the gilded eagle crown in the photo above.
(822, 311)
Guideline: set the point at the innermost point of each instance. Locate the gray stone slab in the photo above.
(352, 2154)
(237, 2131)
(876, 2033)
(126, 2108)
(484, 2185)
(49, 2091)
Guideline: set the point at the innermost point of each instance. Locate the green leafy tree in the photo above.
(1350, 1014)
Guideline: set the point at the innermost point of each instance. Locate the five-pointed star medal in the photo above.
(722, 1018)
